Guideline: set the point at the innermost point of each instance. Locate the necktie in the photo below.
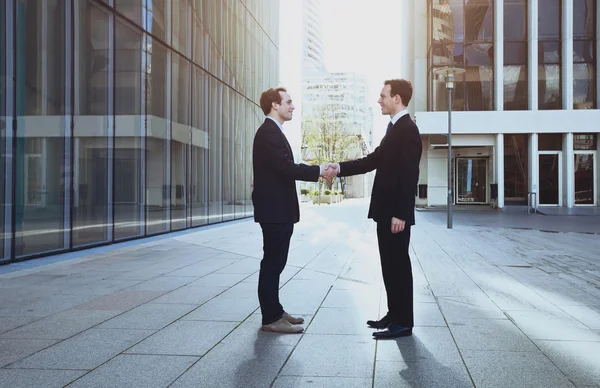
(390, 125)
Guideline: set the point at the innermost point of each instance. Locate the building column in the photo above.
(568, 185)
(532, 39)
(420, 81)
(499, 55)
(500, 169)
(407, 45)
(567, 54)
(597, 161)
(533, 166)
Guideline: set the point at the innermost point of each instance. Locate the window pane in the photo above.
(584, 74)
(549, 75)
(91, 121)
(181, 11)
(215, 150)
(129, 130)
(515, 20)
(515, 76)
(479, 21)
(180, 132)
(3, 127)
(157, 193)
(479, 77)
(228, 184)
(155, 12)
(584, 19)
(40, 154)
(549, 20)
(584, 141)
(239, 155)
(584, 179)
(131, 9)
(199, 167)
(550, 142)
(515, 167)
(457, 13)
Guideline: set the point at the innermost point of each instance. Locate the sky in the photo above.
(358, 36)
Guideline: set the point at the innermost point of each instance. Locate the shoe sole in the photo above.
(266, 329)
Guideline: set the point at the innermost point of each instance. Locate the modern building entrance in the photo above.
(471, 180)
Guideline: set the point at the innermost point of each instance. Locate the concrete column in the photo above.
(533, 165)
(499, 55)
(407, 44)
(500, 168)
(568, 186)
(532, 40)
(567, 54)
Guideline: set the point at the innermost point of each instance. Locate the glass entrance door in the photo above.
(471, 180)
(550, 178)
(585, 178)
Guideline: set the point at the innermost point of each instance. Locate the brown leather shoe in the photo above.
(282, 326)
(294, 320)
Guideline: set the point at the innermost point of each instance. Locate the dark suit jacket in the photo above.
(397, 162)
(274, 196)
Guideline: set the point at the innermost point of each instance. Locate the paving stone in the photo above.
(190, 294)
(236, 365)
(10, 323)
(151, 316)
(137, 370)
(556, 326)
(12, 350)
(36, 378)
(342, 321)
(184, 338)
(61, 325)
(222, 308)
(426, 373)
(588, 315)
(513, 369)
(122, 300)
(490, 334)
(219, 279)
(580, 361)
(84, 351)
(330, 382)
(435, 343)
(332, 356)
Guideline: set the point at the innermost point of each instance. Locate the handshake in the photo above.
(330, 170)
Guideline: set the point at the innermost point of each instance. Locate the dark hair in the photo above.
(270, 96)
(401, 87)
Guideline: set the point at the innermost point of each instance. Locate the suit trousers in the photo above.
(397, 273)
(276, 245)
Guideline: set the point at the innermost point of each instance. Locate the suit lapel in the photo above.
(287, 144)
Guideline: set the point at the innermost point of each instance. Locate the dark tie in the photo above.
(390, 125)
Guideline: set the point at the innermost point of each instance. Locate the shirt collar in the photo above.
(276, 122)
(398, 115)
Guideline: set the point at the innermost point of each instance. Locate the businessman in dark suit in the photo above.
(275, 203)
(393, 204)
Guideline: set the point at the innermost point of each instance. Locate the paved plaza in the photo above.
(497, 304)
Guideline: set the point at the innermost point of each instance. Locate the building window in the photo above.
(550, 55)
(515, 55)
(585, 141)
(462, 36)
(584, 54)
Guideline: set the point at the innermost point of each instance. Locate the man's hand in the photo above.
(330, 170)
(397, 225)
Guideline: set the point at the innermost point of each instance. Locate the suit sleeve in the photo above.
(406, 157)
(280, 158)
(362, 165)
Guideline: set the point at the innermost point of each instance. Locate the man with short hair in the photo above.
(393, 204)
(275, 203)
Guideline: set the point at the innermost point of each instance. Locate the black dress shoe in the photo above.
(393, 331)
(381, 324)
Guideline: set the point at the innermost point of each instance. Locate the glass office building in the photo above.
(127, 118)
(524, 107)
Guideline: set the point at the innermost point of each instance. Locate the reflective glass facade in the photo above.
(127, 118)
(462, 34)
